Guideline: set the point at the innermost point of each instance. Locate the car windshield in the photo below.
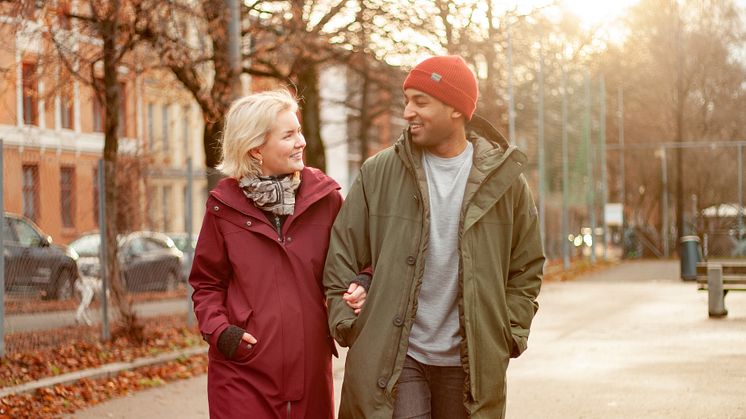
(87, 245)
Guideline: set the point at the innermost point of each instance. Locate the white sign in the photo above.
(614, 214)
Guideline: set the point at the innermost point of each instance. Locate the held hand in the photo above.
(355, 297)
(248, 340)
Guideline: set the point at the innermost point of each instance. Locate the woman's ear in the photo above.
(256, 154)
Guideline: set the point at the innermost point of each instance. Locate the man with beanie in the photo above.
(446, 220)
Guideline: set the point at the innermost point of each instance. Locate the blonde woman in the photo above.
(258, 266)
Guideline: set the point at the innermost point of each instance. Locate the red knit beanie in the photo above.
(448, 79)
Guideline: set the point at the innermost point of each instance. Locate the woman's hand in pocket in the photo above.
(248, 340)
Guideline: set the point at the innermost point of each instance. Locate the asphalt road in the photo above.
(632, 341)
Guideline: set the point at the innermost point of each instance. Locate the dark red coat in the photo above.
(244, 274)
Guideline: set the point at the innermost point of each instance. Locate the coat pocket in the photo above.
(243, 352)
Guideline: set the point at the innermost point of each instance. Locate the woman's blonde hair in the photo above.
(247, 124)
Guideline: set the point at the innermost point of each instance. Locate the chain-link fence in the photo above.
(52, 240)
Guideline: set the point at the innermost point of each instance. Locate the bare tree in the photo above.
(682, 82)
(113, 24)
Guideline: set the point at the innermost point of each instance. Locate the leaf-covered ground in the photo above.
(34, 355)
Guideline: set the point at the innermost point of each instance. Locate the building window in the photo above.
(122, 110)
(185, 131)
(30, 95)
(186, 207)
(164, 126)
(29, 9)
(63, 14)
(67, 196)
(151, 127)
(95, 196)
(152, 209)
(31, 191)
(66, 110)
(165, 205)
(98, 113)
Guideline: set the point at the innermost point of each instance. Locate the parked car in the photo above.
(147, 260)
(33, 263)
(181, 241)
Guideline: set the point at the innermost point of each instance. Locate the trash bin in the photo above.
(690, 254)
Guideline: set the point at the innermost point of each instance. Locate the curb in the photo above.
(107, 370)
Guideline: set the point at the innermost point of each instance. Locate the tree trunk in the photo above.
(308, 87)
(211, 141)
(225, 87)
(490, 108)
(364, 110)
(130, 325)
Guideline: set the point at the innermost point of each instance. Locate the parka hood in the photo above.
(488, 141)
(314, 185)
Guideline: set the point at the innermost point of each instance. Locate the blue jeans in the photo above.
(430, 392)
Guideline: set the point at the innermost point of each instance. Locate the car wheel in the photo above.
(172, 281)
(63, 288)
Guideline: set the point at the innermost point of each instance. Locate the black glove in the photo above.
(229, 340)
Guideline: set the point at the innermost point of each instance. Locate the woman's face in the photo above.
(282, 153)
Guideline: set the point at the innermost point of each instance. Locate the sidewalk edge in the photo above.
(107, 370)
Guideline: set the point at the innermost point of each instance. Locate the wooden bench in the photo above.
(717, 278)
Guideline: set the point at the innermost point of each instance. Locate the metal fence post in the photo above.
(715, 295)
(664, 202)
(602, 165)
(105, 333)
(565, 177)
(189, 248)
(590, 181)
(2, 259)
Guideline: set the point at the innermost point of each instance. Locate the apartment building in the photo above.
(51, 125)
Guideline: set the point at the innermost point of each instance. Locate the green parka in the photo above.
(384, 223)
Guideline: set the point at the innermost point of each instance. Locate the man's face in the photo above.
(431, 122)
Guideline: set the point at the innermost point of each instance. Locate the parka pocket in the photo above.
(243, 352)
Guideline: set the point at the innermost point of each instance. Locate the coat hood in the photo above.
(490, 151)
(314, 185)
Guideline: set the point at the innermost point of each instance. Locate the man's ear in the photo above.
(456, 114)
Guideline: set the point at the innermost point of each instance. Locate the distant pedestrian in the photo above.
(258, 265)
(446, 220)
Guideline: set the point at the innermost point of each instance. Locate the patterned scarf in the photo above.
(275, 194)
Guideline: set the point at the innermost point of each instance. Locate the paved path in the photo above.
(631, 341)
(56, 319)
(185, 399)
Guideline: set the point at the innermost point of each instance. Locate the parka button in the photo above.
(288, 239)
(382, 382)
(398, 321)
(411, 260)
(216, 207)
(248, 223)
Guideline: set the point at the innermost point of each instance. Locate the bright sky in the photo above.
(599, 14)
(595, 12)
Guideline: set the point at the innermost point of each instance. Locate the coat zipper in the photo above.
(278, 226)
(289, 410)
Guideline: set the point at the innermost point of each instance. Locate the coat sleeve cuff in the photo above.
(212, 338)
(229, 340)
(364, 280)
